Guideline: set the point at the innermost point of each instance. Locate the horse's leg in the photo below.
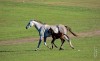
(39, 43)
(68, 39)
(52, 43)
(62, 40)
(45, 42)
(55, 45)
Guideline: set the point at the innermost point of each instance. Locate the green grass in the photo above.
(25, 51)
(80, 15)
(14, 15)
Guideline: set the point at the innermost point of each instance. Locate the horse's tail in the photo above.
(69, 29)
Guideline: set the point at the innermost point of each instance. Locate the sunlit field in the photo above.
(81, 15)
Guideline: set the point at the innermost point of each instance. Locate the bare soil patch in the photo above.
(19, 41)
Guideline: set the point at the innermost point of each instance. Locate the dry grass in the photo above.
(81, 3)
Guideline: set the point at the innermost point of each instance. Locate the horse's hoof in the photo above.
(36, 49)
(61, 49)
(72, 47)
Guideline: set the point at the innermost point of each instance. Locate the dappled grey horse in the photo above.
(43, 31)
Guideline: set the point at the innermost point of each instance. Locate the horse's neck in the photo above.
(38, 25)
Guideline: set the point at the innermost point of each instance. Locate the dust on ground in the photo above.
(24, 40)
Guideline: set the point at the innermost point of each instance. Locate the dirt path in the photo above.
(82, 34)
(88, 34)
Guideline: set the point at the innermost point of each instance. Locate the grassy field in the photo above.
(85, 49)
(14, 15)
(80, 15)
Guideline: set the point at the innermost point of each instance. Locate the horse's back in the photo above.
(62, 28)
(55, 29)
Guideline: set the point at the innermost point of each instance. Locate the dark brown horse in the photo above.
(62, 35)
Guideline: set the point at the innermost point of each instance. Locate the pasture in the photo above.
(81, 16)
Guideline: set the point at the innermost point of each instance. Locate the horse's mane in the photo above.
(39, 21)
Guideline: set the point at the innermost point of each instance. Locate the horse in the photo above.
(62, 34)
(43, 31)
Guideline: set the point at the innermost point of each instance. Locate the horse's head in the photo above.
(30, 24)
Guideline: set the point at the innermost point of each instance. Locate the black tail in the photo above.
(69, 29)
